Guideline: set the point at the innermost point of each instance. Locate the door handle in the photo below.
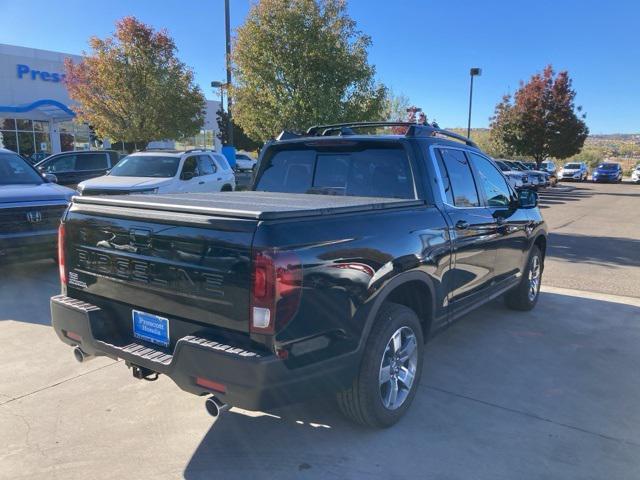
(219, 178)
(201, 183)
(462, 225)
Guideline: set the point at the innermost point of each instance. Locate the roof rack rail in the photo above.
(413, 130)
(199, 150)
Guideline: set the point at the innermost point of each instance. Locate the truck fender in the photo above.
(370, 309)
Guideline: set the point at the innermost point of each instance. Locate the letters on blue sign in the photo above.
(23, 70)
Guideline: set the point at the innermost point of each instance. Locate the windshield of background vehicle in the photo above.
(608, 166)
(15, 171)
(146, 166)
(365, 172)
(572, 166)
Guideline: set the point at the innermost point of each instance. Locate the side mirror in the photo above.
(187, 176)
(50, 177)
(527, 198)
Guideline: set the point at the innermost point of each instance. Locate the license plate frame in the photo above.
(150, 328)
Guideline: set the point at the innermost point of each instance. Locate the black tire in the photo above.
(519, 298)
(363, 402)
(227, 188)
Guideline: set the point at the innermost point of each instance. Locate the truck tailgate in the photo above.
(186, 266)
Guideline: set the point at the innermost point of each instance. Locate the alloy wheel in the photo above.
(398, 368)
(534, 278)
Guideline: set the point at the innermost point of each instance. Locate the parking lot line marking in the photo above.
(605, 297)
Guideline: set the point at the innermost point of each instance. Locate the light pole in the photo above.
(473, 72)
(221, 86)
(227, 31)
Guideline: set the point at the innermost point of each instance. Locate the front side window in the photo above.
(463, 188)
(91, 161)
(64, 163)
(15, 171)
(491, 182)
(146, 166)
(190, 168)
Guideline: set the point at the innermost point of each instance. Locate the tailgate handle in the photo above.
(140, 237)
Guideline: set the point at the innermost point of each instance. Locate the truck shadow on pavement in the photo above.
(595, 250)
(511, 390)
(25, 289)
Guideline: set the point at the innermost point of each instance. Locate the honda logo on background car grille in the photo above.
(34, 217)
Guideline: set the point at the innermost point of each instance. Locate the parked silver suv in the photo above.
(574, 171)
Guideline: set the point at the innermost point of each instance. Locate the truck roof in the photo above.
(251, 204)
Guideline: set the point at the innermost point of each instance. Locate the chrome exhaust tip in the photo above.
(215, 406)
(81, 356)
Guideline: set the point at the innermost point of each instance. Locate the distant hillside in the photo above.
(623, 148)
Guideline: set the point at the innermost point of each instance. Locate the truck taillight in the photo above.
(276, 286)
(61, 260)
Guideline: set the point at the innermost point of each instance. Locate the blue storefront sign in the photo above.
(24, 71)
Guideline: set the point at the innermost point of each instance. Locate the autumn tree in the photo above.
(133, 88)
(541, 120)
(299, 63)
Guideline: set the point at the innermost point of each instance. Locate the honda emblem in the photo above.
(34, 216)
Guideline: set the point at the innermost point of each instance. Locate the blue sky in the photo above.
(421, 48)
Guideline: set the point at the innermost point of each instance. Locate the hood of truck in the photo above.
(118, 183)
(34, 193)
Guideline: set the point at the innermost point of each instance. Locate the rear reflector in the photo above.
(211, 385)
(72, 335)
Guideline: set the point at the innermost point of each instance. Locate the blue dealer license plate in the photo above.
(151, 328)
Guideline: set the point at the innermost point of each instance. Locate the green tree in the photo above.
(132, 88)
(299, 63)
(241, 140)
(541, 120)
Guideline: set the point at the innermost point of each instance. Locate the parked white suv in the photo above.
(163, 171)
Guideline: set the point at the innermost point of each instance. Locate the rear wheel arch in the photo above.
(226, 188)
(541, 243)
(415, 290)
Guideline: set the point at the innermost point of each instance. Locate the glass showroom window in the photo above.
(26, 137)
(73, 136)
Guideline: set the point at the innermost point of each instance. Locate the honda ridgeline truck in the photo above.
(350, 251)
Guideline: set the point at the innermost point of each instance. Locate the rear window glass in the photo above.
(371, 172)
(91, 161)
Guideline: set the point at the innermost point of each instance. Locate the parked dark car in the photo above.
(350, 252)
(71, 168)
(607, 172)
(30, 210)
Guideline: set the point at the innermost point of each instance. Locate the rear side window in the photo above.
(205, 165)
(370, 172)
(91, 161)
(463, 188)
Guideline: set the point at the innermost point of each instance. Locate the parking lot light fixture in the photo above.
(474, 72)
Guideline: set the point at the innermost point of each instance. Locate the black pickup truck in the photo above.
(351, 250)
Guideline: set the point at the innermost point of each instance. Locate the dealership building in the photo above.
(36, 113)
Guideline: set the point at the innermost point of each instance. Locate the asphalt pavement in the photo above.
(552, 393)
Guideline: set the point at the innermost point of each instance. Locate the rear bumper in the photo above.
(253, 380)
(28, 246)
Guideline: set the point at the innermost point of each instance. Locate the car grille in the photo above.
(105, 191)
(30, 219)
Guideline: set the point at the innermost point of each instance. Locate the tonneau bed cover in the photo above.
(250, 204)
